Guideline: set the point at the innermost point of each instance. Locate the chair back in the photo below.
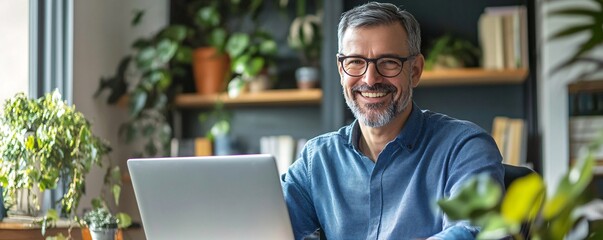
(513, 172)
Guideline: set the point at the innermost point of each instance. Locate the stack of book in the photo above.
(510, 136)
(503, 37)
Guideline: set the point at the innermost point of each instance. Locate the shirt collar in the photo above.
(407, 138)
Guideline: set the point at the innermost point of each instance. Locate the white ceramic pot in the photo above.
(307, 77)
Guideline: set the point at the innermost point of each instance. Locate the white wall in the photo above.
(14, 48)
(102, 36)
(553, 108)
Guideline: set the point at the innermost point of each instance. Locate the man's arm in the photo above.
(296, 190)
(476, 154)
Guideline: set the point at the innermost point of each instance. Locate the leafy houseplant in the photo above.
(305, 37)
(252, 57)
(592, 27)
(525, 203)
(44, 140)
(451, 52)
(147, 77)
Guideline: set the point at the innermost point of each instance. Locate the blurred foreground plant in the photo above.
(525, 203)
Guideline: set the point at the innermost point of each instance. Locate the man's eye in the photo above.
(356, 62)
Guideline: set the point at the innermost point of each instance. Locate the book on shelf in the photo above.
(510, 136)
(585, 109)
(284, 148)
(189, 147)
(503, 37)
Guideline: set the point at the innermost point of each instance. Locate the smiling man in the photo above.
(380, 177)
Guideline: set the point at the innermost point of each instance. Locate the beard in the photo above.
(378, 114)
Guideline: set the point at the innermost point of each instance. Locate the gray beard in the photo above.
(379, 118)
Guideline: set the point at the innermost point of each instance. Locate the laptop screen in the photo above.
(218, 197)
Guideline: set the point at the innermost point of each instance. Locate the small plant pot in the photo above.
(307, 77)
(103, 234)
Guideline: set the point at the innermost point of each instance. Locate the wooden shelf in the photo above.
(292, 97)
(283, 97)
(472, 76)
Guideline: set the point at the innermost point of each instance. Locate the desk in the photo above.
(11, 229)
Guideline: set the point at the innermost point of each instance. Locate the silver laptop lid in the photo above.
(219, 197)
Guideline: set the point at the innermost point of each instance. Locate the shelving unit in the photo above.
(472, 76)
(283, 97)
(295, 97)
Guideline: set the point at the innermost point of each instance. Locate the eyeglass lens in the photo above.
(387, 67)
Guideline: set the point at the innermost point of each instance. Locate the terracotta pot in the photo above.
(211, 70)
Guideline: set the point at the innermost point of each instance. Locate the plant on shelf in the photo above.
(147, 78)
(305, 36)
(101, 224)
(252, 59)
(525, 203)
(212, 22)
(451, 52)
(584, 55)
(218, 122)
(43, 141)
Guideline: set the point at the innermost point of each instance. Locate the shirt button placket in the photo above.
(376, 205)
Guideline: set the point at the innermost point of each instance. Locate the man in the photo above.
(380, 177)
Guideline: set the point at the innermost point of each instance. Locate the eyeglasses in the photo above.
(356, 66)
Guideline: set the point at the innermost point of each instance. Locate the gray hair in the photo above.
(376, 14)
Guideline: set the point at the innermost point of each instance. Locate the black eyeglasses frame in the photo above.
(341, 57)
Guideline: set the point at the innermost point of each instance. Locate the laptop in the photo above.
(216, 197)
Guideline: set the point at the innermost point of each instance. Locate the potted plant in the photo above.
(252, 60)
(147, 77)
(102, 224)
(448, 52)
(218, 121)
(305, 36)
(42, 141)
(212, 23)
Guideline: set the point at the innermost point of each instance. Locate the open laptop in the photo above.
(218, 197)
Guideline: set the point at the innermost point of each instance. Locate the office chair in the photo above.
(512, 173)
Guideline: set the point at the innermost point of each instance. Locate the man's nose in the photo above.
(372, 76)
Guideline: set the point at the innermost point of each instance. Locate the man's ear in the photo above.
(417, 69)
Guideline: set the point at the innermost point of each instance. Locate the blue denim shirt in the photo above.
(333, 186)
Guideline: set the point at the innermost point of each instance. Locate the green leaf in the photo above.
(165, 51)
(495, 227)
(237, 44)
(571, 31)
(123, 220)
(571, 186)
(138, 100)
(208, 17)
(478, 195)
(116, 193)
(523, 199)
(578, 12)
(184, 54)
(145, 57)
(268, 47)
(138, 14)
(175, 33)
(52, 215)
(240, 64)
(254, 67)
(97, 203)
(218, 39)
